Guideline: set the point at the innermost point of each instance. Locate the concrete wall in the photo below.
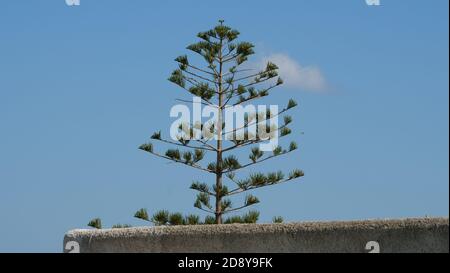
(406, 235)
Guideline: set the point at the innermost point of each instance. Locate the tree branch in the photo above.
(254, 97)
(256, 74)
(207, 192)
(182, 162)
(251, 141)
(203, 103)
(251, 83)
(206, 144)
(238, 208)
(182, 145)
(206, 210)
(238, 71)
(199, 76)
(256, 122)
(240, 190)
(201, 70)
(256, 162)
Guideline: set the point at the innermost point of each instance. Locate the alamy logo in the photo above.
(373, 247)
(239, 124)
(373, 2)
(73, 2)
(72, 247)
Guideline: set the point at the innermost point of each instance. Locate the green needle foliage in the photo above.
(277, 220)
(222, 81)
(192, 219)
(142, 214)
(160, 218)
(95, 223)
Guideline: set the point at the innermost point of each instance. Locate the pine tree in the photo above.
(223, 82)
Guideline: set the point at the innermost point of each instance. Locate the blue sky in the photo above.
(82, 87)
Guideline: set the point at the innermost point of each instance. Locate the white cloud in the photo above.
(295, 75)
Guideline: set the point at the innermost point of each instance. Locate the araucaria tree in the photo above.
(223, 82)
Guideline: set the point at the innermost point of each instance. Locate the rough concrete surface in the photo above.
(391, 236)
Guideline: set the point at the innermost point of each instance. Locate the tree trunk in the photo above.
(219, 145)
